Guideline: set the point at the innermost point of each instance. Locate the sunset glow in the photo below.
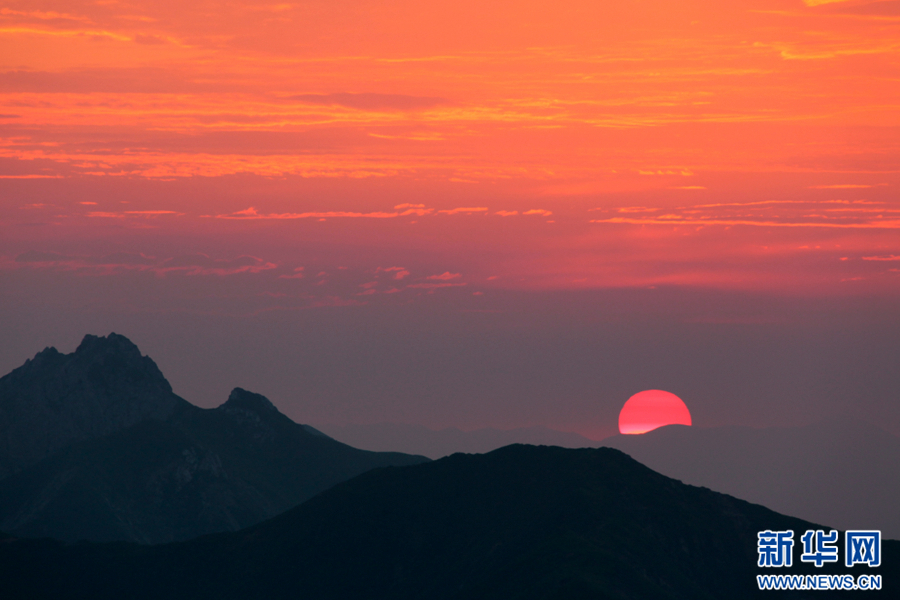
(738, 145)
(245, 159)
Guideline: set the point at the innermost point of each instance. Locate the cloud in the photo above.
(151, 213)
(251, 213)
(201, 264)
(819, 2)
(122, 259)
(193, 264)
(417, 137)
(538, 211)
(413, 209)
(116, 259)
(850, 202)
(105, 215)
(445, 276)
(398, 272)
(298, 274)
(840, 186)
(677, 220)
(506, 213)
(368, 288)
(131, 213)
(890, 257)
(149, 40)
(43, 15)
(758, 203)
(464, 210)
(91, 33)
(35, 256)
(633, 209)
(434, 286)
(371, 101)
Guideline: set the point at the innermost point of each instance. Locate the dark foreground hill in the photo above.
(144, 465)
(522, 522)
(840, 471)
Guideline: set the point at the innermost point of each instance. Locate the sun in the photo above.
(647, 410)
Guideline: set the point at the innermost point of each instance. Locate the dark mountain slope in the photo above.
(839, 471)
(200, 471)
(55, 399)
(519, 523)
(173, 475)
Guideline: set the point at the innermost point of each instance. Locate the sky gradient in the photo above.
(463, 214)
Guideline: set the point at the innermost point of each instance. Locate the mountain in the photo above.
(415, 439)
(518, 523)
(56, 399)
(842, 472)
(836, 471)
(170, 471)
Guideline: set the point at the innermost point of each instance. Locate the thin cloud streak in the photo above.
(729, 223)
(251, 213)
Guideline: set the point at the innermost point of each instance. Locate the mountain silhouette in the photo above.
(415, 439)
(55, 399)
(841, 472)
(145, 465)
(522, 522)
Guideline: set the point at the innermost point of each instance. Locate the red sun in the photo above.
(647, 410)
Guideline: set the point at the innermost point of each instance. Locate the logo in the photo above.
(819, 548)
(775, 548)
(861, 547)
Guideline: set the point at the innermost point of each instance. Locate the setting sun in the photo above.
(650, 409)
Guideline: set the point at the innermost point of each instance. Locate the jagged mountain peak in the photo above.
(110, 344)
(94, 445)
(55, 399)
(97, 358)
(117, 352)
(45, 356)
(240, 398)
(256, 412)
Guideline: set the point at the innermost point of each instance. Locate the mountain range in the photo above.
(519, 523)
(241, 502)
(94, 445)
(836, 471)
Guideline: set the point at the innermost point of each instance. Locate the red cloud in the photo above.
(445, 276)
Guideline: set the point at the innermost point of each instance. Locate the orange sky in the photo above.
(243, 158)
(653, 120)
(657, 142)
